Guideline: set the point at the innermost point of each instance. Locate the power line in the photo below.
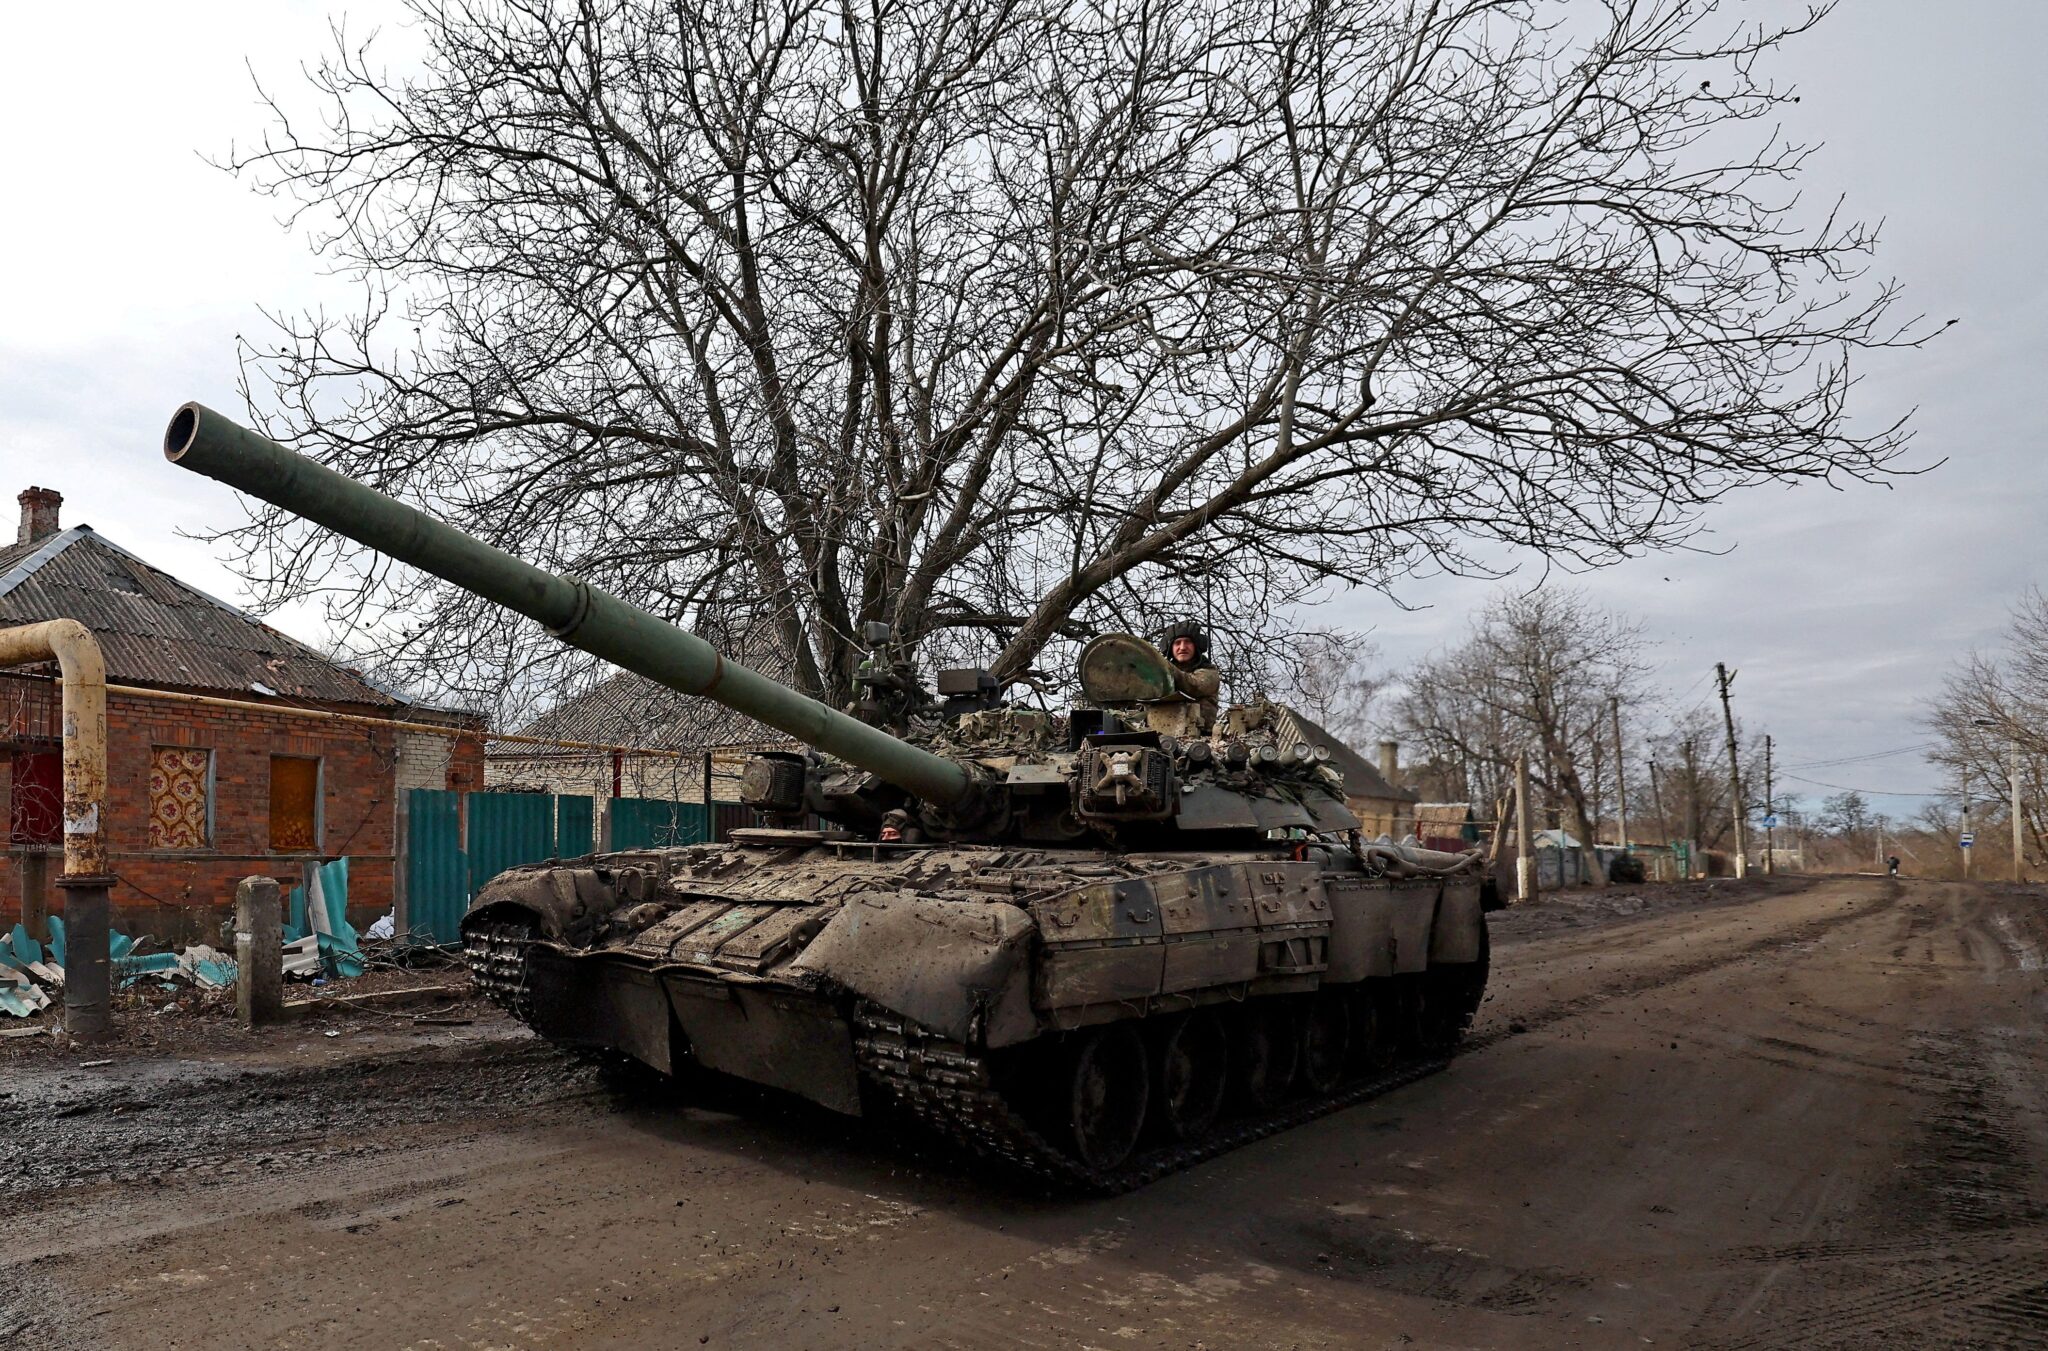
(1867, 792)
(1859, 759)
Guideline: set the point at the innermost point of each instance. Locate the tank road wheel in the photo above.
(1325, 1040)
(1403, 1008)
(1373, 1048)
(1265, 1052)
(1107, 1090)
(1452, 996)
(1437, 1029)
(1193, 1076)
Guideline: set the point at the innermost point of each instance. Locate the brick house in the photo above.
(200, 794)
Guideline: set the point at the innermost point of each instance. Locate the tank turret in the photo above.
(1096, 945)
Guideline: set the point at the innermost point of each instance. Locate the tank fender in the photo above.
(567, 904)
(1460, 922)
(956, 967)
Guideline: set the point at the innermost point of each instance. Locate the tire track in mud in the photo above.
(1779, 942)
(199, 1128)
(1972, 1267)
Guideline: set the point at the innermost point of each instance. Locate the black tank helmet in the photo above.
(1186, 628)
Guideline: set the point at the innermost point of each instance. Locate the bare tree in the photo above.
(1535, 676)
(1692, 757)
(1011, 320)
(1993, 706)
(1336, 681)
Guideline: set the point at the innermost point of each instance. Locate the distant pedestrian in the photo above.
(1892, 865)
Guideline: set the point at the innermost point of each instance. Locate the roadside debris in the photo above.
(324, 915)
(320, 945)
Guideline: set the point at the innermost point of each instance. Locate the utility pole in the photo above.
(1727, 678)
(1770, 831)
(1692, 800)
(1620, 778)
(1962, 848)
(1525, 862)
(2019, 852)
(1657, 800)
(2013, 786)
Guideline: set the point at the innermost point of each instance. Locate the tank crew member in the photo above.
(1194, 675)
(899, 828)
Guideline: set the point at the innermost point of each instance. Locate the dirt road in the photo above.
(1800, 1118)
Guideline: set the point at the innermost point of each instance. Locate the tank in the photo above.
(1094, 944)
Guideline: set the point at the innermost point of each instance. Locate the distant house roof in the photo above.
(155, 630)
(1442, 813)
(625, 709)
(1361, 779)
(1553, 839)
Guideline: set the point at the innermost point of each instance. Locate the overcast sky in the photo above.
(130, 265)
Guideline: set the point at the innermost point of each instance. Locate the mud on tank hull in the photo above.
(1094, 1018)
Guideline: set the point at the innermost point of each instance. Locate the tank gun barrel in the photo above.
(572, 610)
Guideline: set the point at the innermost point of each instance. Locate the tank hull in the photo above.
(1007, 999)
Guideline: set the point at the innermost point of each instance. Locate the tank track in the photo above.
(951, 1091)
(496, 954)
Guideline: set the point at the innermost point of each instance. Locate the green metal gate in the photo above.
(436, 873)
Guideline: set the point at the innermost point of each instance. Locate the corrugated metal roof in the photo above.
(156, 630)
(625, 709)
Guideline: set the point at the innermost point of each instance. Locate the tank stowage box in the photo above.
(1076, 944)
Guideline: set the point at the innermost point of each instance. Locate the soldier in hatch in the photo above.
(1195, 677)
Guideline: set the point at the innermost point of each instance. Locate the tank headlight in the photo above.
(1269, 755)
(1300, 751)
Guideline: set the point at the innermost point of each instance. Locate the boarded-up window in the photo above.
(180, 797)
(36, 807)
(294, 803)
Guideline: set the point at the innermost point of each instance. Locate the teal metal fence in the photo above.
(436, 872)
(651, 823)
(447, 863)
(505, 830)
(575, 826)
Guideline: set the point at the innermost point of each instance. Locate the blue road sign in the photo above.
(1969, 838)
(1770, 823)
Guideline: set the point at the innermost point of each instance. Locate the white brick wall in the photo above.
(423, 760)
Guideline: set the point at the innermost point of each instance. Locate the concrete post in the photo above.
(1962, 848)
(1525, 862)
(259, 952)
(1620, 772)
